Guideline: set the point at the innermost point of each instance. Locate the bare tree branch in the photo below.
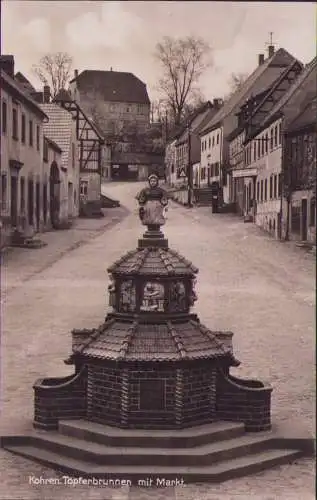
(54, 70)
(236, 81)
(183, 62)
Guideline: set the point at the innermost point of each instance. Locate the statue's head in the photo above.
(153, 180)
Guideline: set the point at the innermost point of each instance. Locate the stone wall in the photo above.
(247, 401)
(59, 398)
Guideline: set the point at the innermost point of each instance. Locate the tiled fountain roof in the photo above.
(136, 341)
(150, 261)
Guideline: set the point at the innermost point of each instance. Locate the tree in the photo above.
(236, 81)
(183, 62)
(54, 70)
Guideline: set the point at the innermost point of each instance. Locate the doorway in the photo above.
(304, 220)
(14, 201)
(54, 195)
(30, 201)
(37, 205)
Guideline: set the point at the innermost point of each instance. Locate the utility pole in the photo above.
(189, 171)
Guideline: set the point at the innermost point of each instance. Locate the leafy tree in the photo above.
(183, 62)
(54, 69)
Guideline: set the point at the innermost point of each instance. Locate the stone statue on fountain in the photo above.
(153, 203)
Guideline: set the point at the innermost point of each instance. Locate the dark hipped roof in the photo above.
(197, 122)
(114, 86)
(159, 261)
(273, 65)
(139, 341)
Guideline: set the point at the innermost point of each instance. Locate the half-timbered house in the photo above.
(299, 174)
(90, 143)
(253, 92)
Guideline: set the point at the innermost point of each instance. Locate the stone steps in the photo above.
(206, 454)
(218, 472)
(113, 436)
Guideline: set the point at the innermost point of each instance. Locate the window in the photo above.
(84, 188)
(15, 124)
(275, 187)
(261, 190)
(312, 212)
(3, 191)
(271, 139)
(254, 151)
(30, 133)
(259, 148)
(279, 185)
(262, 145)
(38, 137)
(45, 150)
(217, 169)
(280, 133)
(266, 142)
(213, 140)
(73, 155)
(22, 194)
(4, 117)
(265, 190)
(217, 138)
(258, 191)
(202, 145)
(128, 109)
(275, 136)
(209, 142)
(271, 187)
(23, 125)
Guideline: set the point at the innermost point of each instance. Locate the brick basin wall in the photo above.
(104, 393)
(199, 393)
(158, 418)
(59, 398)
(247, 401)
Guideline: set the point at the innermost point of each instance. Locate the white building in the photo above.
(262, 187)
(170, 163)
(211, 150)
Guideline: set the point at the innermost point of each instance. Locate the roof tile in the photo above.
(59, 128)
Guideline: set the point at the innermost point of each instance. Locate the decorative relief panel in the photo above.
(193, 295)
(112, 292)
(153, 297)
(127, 296)
(177, 300)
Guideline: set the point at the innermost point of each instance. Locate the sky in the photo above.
(123, 35)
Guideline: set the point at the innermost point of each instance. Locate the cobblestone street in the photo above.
(259, 288)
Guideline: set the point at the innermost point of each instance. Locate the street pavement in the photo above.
(259, 288)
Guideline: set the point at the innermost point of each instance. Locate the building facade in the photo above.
(170, 163)
(119, 104)
(252, 93)
(61, 129)
(211, 151)
(262, 180)
(299, 175)
(22, 180)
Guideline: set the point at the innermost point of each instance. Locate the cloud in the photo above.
(113, 27)
(38, 32)
(26, 37)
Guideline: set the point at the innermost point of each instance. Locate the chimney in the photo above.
(46, 94)
(75, 73)
(7, 65)
(261, 59)
(217, 103)
(271, 50)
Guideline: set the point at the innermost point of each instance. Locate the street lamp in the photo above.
(189, 171)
